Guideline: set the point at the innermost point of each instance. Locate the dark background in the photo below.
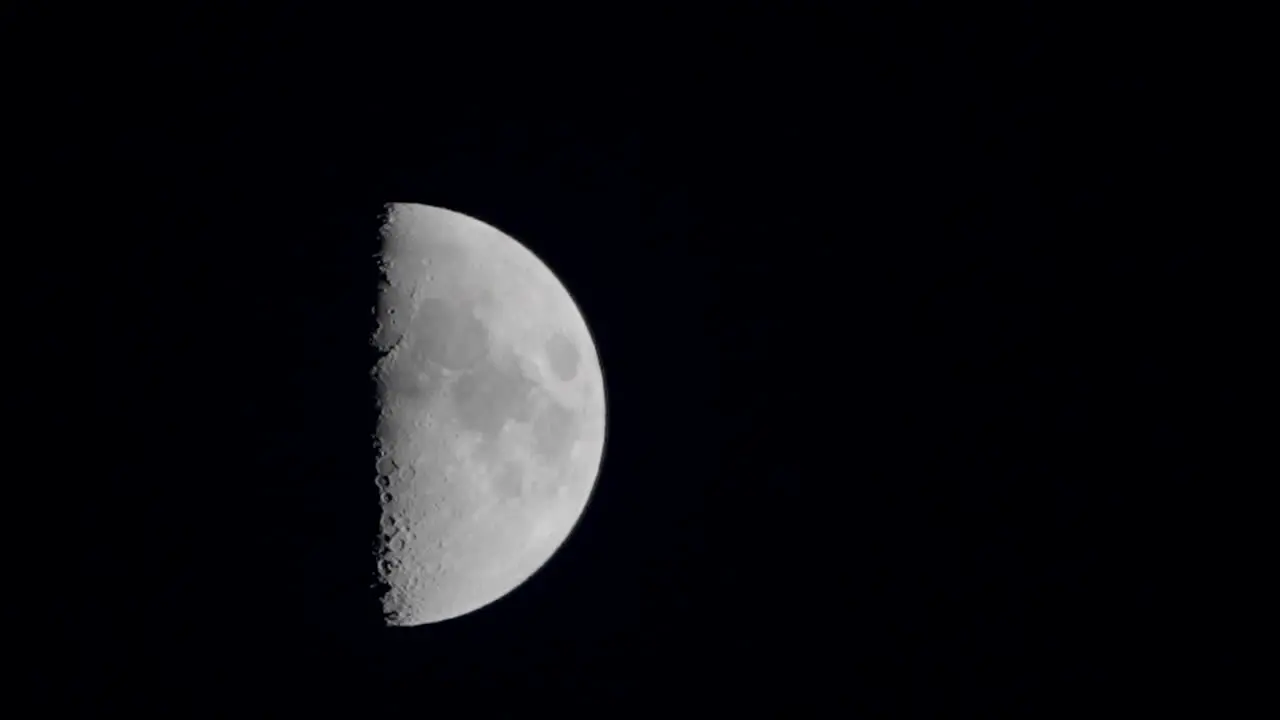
(901, 314)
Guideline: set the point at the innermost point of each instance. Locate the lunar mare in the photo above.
(492, 414)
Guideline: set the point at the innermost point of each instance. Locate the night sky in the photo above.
(903, 331)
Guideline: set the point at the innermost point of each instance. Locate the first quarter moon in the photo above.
(492, 414)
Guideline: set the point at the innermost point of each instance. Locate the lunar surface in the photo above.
(492, 418)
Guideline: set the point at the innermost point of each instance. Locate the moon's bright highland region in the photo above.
(492, 419)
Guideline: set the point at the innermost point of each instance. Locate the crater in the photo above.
(386, 465)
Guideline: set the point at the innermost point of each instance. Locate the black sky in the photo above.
(903, 348)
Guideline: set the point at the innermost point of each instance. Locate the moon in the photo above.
(492, 414)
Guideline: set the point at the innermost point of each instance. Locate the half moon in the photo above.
(492, 422)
